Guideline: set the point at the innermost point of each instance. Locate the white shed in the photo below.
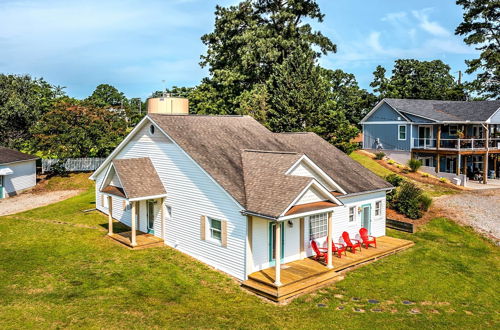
(17, 172)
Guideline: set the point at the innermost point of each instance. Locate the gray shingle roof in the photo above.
(10, 156)
(138, 177)
(218, 144)
(478, 111)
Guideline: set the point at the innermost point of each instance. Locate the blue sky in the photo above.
(134, 45)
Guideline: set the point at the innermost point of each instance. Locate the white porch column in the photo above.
(162, 215)
(277, 257)
(330, 242)
(133, 240)
(110, 216)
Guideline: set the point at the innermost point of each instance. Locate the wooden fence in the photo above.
(74, 164)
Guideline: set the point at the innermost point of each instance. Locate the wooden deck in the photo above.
(143, 240)
(305, 275)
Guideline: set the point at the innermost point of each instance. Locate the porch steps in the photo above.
(144, 241)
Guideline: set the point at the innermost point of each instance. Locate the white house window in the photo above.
(378, 208)
(318, 226)
(215, 229)
(402, 132)
(352, 213)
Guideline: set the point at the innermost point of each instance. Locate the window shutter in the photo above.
(224, 234)
(203, 221)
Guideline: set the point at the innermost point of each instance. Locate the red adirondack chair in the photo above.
(367, 239)
(339, 248)
(351, 244)
(320, 252)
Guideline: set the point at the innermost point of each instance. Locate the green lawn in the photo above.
(58, 270)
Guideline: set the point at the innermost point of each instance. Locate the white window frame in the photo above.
(210, 229)
(399, 133)
(320, 228)
(353, 215)
(379, 209)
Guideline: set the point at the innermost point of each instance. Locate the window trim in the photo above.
(379, 209)
(325, 225)
(353, 208)
(209, 231)
(399, 133)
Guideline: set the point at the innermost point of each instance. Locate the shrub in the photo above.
(408, 200)
(425, 202)
(405, 170)
(379, 155)
(59, 168)
(443, 180)
(391, 162)
(425, 175)
(394, 179)
(414, 164)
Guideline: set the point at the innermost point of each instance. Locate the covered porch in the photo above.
(302, 276)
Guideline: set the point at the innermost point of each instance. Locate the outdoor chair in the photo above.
(338, 248)
(321, 253)
(351, 244)
(367, 239)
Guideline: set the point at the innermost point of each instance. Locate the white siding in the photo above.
(260, 234)
(310, 196)
(191, 193)
(24, 177)
(303, 169)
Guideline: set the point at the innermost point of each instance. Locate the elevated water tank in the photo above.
(168, 105)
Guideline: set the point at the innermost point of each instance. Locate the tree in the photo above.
(249, 41)
(106, 95)
(23, 100)
(481, 27)
(414, 79)
(71, 129)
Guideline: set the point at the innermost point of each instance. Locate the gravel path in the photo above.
(28, 201)
(478, 209)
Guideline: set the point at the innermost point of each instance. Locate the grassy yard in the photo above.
(59, 270)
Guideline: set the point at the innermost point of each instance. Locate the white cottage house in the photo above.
(17, 172)
(232, 194)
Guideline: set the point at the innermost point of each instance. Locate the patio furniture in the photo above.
(351, 244)
(320, 252)
(338, 248)
(367, 239)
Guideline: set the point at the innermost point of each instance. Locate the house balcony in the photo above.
(306, 275)
(469, 145)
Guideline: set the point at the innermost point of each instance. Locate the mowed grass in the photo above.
(59, 270)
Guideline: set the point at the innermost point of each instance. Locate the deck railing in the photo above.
(456, 144)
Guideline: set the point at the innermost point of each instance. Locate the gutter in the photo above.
(366, 192)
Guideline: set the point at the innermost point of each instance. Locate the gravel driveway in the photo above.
(28, 201)
(479, 209)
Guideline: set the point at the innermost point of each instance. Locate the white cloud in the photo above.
(431, 27)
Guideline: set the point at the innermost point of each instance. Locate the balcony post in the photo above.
(438, 138)
(486, 156)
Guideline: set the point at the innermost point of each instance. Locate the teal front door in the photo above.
(151, 216)
(366, 219)
(272, 243)
(1, 186)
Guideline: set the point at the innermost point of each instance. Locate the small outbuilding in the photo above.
(17, 172)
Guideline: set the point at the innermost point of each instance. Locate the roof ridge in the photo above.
(271, 151)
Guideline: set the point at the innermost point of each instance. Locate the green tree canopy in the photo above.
(23, 100)
(481, 27)
(106, 95)
(74, 130)
(414, 79)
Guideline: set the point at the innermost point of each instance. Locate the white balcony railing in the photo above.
(456, 144)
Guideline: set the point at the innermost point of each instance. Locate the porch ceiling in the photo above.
(309, 207)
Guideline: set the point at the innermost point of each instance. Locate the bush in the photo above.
(425, 175)
(379, 155)
(394, 179)
(443, 180)
(59, 168)
(405, 170)
(425, 202)
(414, 164)
(391, 162)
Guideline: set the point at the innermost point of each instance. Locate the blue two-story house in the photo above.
(461, 137)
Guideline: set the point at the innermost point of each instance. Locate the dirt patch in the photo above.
(28, 201)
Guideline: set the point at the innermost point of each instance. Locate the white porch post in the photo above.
(330, 238)
(110, 216)
(133, 240)
(277, 257)
(162, 215)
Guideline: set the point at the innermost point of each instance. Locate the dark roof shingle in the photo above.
(438, 110)
(10, 156)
